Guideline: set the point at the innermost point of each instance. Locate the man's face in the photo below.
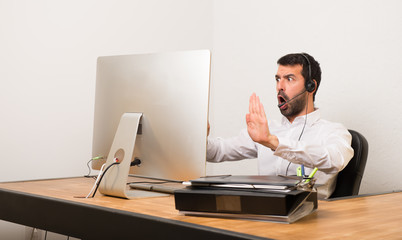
(290, 89)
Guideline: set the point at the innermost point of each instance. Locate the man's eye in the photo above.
(290, 78)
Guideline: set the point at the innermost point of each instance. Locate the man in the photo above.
(301, 139)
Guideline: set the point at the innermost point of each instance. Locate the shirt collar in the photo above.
(311, 118)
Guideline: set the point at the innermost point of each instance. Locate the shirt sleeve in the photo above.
(330, 155)
(231, 149)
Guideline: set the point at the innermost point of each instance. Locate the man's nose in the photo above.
(280, 85)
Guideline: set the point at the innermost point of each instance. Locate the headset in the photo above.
(309, 83)
(309, 87)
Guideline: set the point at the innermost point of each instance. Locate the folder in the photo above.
(254, 182)
(231, 197)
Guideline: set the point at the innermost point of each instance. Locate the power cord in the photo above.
(97, 180)
(148, 182)
(301, 134)
(97, 185)
(154, 178)
(103, 171)
(100, 176)
(89, 168)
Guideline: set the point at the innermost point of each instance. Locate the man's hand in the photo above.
(257, 124)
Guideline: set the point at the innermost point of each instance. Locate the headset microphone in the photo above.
(280, 105)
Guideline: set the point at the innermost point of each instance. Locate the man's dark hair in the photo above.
(298, 59)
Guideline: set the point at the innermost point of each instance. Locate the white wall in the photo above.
(358, 44)
(49, 50)
(48, 65)
(47, 74)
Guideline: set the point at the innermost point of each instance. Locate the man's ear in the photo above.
(315, 86)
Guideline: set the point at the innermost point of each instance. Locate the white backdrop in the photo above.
(358, 44)
(48, 66)
(49, 51)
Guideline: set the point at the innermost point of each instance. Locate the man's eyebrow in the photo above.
(289, 75)
(285, 76)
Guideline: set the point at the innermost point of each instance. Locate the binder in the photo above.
(232, 197)
(248, 182)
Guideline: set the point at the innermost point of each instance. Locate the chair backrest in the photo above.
(349, 179)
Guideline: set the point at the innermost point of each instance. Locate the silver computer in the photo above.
(158, 105)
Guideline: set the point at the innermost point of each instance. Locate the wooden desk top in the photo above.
(370, 217)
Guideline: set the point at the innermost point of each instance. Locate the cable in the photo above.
(100, 176)
(103, 174)
(301, 134)
(97, 180)
(89, 168)
(305, 121)
(154, 178)
(287, 169)
(32, 233)
(149, 182)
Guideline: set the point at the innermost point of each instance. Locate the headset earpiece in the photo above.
(309, 84)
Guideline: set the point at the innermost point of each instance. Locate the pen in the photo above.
(299, 173)
(311, 175)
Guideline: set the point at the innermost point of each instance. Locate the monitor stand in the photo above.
(114, 182)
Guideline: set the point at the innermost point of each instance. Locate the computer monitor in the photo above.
(165, 96)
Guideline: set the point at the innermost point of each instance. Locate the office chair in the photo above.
(348, 180)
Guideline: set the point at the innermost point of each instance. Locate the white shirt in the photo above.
(323, 144)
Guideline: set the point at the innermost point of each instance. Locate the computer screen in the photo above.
(171, 92)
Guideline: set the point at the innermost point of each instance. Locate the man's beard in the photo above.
(295, 107)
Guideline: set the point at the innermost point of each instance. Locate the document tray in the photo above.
(272, 206)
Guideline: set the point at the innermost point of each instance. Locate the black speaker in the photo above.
(309, 83)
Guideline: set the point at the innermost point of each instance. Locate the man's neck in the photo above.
(302, 113)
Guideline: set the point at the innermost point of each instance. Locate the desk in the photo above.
(51, 205)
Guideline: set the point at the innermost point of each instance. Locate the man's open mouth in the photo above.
(281, 100)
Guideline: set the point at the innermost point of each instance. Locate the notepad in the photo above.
(255, 180)
(247, 182)
(252, 187)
